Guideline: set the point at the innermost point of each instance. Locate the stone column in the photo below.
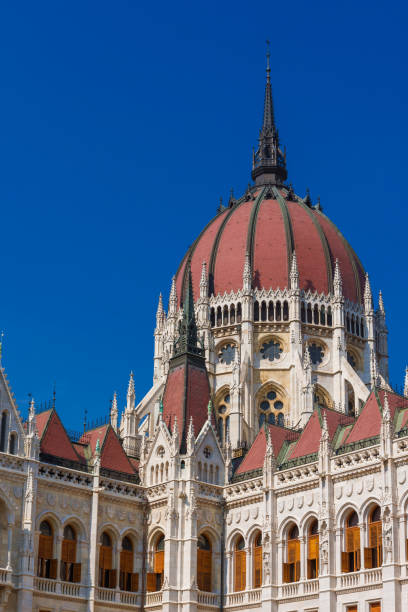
(303, 555)
(9, 545)
(58, 557)
(93, 539)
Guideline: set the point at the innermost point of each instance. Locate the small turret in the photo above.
(204, 281)
(173, 298)
(368, 297)
(406, 382)
(114, 413)
(247, 274)
(294, 273)
(337, 280)
(130, 404)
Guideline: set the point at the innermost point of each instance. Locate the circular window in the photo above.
(227, 354)
(316, 353)
(271, 350)
(270, 409)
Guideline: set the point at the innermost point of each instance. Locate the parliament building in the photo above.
(265, 469)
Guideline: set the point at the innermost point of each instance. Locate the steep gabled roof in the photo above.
(309, 439)
(368, 423)
(113, 457)
(54, 439)
(255, 456)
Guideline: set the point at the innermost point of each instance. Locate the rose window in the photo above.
(316, 353)
(271, 350)
(271, 410)
(227, 354)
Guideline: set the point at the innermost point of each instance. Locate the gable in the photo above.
(254, 458)
(54, 439)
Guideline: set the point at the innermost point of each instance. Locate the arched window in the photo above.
(128, 580)
(322, 316)
(270, 312)
(263, 311)
(225, 315)
(281, 419)
(303, 313)
(257, 557)
(204, 563)
(256, 311)
(232, 314)
(291, 569)
(47, 565)
(212, 317)
(239, 313)
(309, 313)
(107, 575)
(278, 311)
(316, 314)
(223, 416)
(155, 578)
(313, 550)
(4, 432)
(373, 554)
(70, 570)
(350, 559)
(219, 317)
(239, 565)
(329, 317)
(13, 444)
(285, 311)
(270, 407)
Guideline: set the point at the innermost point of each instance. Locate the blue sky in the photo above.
(122, 124)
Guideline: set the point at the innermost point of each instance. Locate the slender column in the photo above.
(248, 573)
(229, 568)
(58, 557)
(9, 544)
(339, 549)
(303, 552)
(94, 543)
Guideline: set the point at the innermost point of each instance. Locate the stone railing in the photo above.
(130, 599)
(310, 587)
(105, 594)
(208, 599)
(11, 462)
(302, 588)
(5, 576)
(152, 599)
(70, 589)
(242, 598)
(45, 585)
(291, 589)
(362, 578)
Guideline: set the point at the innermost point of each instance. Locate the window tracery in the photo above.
(271, 350)
(226, 354)
(271, 408)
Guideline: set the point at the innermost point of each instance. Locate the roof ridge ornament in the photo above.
(294, 272)
(337, 280)
(188, 341)
(268, 163)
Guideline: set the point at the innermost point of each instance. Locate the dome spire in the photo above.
(269, 163)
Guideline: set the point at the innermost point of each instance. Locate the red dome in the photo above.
(269, 224)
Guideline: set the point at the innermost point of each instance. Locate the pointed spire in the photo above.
(160, 313)
(204, 281)
(31, 418)
(386, 415)
(190, 437)
(373, 368)
(130, 405)
(209, 410)
(381, 304)
(187, 341)
(269, 163)
(173, 297)
(294, 273)
(337, 280)
(247, 274)
(131, 385)
(176, 437)
(406, 382)
(368, 297)
(325, 430)
(114, 412)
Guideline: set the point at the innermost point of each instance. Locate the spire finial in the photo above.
(381, 304)
(294, 273)
(307, 361)
(337, 280)
(204, 281)
(187, 341)
(114, 412)
(247, 275)
(269, 163)
(368, 297)
(173, 297)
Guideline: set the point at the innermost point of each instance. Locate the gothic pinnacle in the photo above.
(204, 281)
(307, 362)
(131, 385)
(173, 297)
(114, 412)
(337, 280)
(381, 304)
(247, 275)
(294, 273)
(406, 382)
(368, 297)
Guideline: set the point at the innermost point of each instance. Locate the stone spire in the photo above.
(269, 163)
(190, 438)
(337, 280)
(307, 362)
(160, 313)
(209, 410)
(187, 341)
(204, 281)
(114, 412)
(368, 296)
(381, 304)
(406, 382)
(373, 368)
(130, 405)
(247, 274)
(294, 273)
(31, 418)
(173, 297)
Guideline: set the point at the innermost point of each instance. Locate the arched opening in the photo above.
(223, 409)
(270, 407)
(239, 565)
(225, 315)
(239, 313)
(263, 311)
(270, 312)
(313, 550)
(278, 311)
(291, 569)
(373, 554)
(303, 313)
(350, 399)
(212, 317)
(155, 579)
(232, 314)
(107, 575)
(4, 431)
(329, 317)
(128, 580)
(285, 311)
(322, 316)
(13, 444)
(316, 314)
(204, 563)
(47, 565)
(257, 557)
(256, 311)
(219, 317)
(309, 313)
(70, 570)
(350, 559)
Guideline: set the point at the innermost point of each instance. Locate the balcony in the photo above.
(352, 580)
(208, 600)
(153, 599)
(248, 598)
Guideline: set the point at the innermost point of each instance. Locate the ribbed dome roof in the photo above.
(270, 223)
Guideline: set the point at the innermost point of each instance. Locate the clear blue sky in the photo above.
(122, 123)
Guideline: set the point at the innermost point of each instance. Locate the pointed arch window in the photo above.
(13, 444)
(204, 563)
(350, 559)
(70, 570)
(128, 580)
(291, 569)
(313, 550)
(107, 575)
(373, 553)
(47, 565)
(155, 578)
(239, 565)
(4, 431)
(257, 557)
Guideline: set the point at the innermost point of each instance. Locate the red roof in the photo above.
(368, 423)
(113, 457)
(255, 456)
(270, 230)
(309, 440)
(186, 395)
(54, 439)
